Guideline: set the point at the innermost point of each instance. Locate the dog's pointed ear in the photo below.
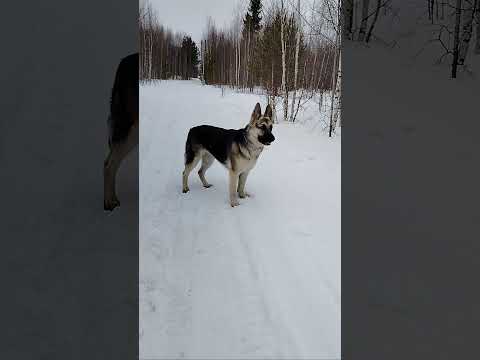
(268, 111)
(257, 112)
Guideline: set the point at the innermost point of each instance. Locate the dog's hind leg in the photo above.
(207, 161)
(188, 169)
(118, 152)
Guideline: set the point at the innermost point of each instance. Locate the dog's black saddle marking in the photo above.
(217, 141)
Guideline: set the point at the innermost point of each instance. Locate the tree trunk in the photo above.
(456, 38)
(144, 55)
(477, 41)
(297, 50)
(312, 75)
(150, 57)
(239, 50)
(237, 73)
(304, 86)
(248, 60)
(203, 61)
(355, 18)
(284, 66)
(236, 61)
(467, 26)
(334, 86)
(320, 77)
(347, 19)
(374, 21)
(245, 61)
(338, 91)
(363, 24)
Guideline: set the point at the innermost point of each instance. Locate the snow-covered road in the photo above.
(261, 280)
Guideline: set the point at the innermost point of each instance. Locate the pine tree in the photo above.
(251, 27)
(190, 58)
(251, 22)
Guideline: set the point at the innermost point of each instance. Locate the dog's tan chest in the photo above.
(246, 160)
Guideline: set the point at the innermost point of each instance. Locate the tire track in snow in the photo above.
(277, 327)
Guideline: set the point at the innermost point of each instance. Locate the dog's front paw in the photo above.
(110, 204)
(185, 190)
(207, 186)
(234, 203)
(244, 194)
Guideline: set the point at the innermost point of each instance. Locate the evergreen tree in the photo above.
(190, 57)
(251, 22)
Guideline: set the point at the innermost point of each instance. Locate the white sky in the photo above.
(190, 16)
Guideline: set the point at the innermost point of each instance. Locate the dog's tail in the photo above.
(189, 153)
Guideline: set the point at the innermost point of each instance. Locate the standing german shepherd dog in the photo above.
(122, 125)
(237, 150)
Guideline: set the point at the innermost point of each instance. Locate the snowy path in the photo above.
(261, 280)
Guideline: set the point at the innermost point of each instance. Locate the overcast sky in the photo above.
(190, 16)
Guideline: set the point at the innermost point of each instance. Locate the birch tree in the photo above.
(338, 93)
(335, 73)
(284, 65)
(297, 50)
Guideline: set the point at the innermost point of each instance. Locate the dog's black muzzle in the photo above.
(267, 138)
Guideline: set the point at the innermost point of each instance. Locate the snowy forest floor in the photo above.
(261, 280)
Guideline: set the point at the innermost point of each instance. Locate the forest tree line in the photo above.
(275, 49)
(252, 56)
(163, 53)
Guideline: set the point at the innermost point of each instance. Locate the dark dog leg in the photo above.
(188, 169)
(118, 152)
(207, 161)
